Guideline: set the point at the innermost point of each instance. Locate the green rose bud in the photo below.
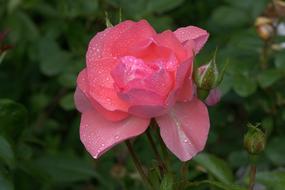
(254, 140)
(207, 76)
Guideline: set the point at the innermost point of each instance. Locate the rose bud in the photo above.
(213, 97)
(279, 7)
(264, 28)
(207, 77)
(254, 140)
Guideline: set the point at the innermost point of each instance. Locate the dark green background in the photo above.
(39, 140)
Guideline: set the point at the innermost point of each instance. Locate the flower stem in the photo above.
(252, 172)
(252, 176)
(183, 175)
(158, 157)
(138, 165)
(162, 145)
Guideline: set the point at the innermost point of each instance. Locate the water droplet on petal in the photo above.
(185, 140)
(95, 156)
(116, 136)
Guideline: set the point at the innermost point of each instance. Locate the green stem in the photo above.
(162, 145)
(184, 175)
(264, 55)
(158, 157)
(138, 165)
(252, 175)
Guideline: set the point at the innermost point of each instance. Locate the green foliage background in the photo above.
(39, 141)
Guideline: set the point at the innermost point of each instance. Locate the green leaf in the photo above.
(280, 60)
(52, 59)
(226, 16)
(215, 166)
(238, 158)
(6, 152)
(244, 86)
(67, 102)
(216, 184)
(269, 77)
(67, 169)
(13, 117)
(5, 184)
(275, 151)
(272, 180)
(2, 55)
(160, 6)
(167, 182)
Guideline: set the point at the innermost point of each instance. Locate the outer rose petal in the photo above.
(198, 35)
(185, 128)
(101, 44)
(169, 40)
(83, 100)
(99, 135)
(138, 32)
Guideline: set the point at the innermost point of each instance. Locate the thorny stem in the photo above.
(158, 157)
(138, 165)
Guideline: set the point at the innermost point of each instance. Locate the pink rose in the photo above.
(134, 74)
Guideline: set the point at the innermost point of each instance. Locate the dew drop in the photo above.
(185, 140)
(116, 136)
(95, 156)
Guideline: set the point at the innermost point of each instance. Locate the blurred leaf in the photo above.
(238, 158)
(226, 84)
(71, 9)
(167, 182)
(162, 5)
(275, 150)
(6, 152)
(244, 86)
(52, 59)
(13, 4)
(268, 77)
(67, 169)
(253, 7)
(215, 166)
(272, 180)
(67, 102)
(217, 184)
(2, 55)
(280, 60)
(154, 176)
(13, 117)
(226, 16)
(5, 184)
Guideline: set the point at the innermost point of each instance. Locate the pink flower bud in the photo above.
(213, 97)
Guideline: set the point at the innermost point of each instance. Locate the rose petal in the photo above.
(136, 34)
(169, 40)
(83, 101)
(101, 44)
(148, 111)
(99, 135)
(185, 128)
(198, 35)
(101, 86)
(186, 93)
